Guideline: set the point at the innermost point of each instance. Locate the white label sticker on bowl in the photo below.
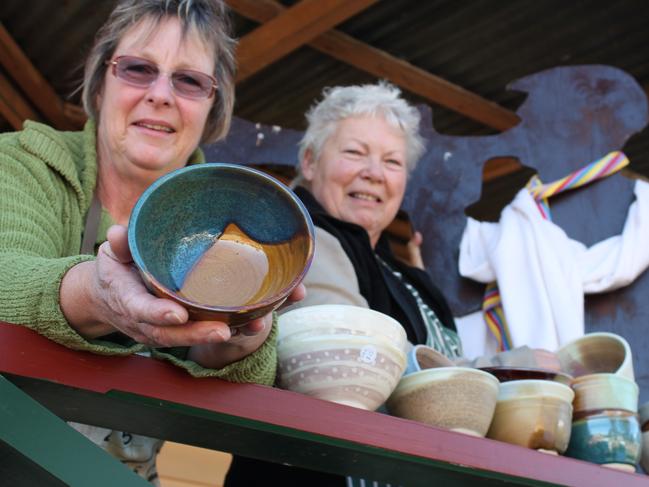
(368, 354)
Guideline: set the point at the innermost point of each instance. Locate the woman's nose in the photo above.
(160, 91)
(373, 169)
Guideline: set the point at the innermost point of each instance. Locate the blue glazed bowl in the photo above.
(227, 242)
(607, 437)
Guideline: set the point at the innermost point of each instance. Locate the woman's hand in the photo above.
(414, 250)
(107, 295)
(243, 340)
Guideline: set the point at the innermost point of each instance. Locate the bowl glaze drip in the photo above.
(235, 271)
(227, 242)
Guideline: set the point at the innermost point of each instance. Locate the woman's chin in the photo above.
(158, 161)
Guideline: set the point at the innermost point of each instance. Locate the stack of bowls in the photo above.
(605, 427)
(644, 422)
(345, 354)
(435, 392)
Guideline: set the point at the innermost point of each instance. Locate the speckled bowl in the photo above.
(345, 354)
(535, 414)
(228, 242)
(461, 399)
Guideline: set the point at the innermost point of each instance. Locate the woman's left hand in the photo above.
(229, 344)
(242, 341)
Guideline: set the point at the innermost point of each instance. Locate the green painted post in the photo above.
(49, 442)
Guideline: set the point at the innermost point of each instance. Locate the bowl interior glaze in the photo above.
(226, 241)
(594, 353)
(506, 374)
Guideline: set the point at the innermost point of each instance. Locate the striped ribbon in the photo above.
(491, 303)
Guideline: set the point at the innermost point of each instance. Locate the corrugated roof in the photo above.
(480, 45)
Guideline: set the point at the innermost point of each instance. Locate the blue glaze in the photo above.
(181, 214)
(608, 437)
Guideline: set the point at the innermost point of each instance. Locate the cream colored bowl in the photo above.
(604, 391)
(533, 413)
(597, 353)
(461, 399)
(345, 354)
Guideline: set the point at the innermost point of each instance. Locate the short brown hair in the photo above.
(208, 17)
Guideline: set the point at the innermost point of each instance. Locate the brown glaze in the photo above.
(506, 374)
(238, 271)
(537, 423)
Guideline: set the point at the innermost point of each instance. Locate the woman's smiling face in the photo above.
(147, 132)
(360, 176)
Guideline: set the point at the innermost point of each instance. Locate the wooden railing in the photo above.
(154, 398)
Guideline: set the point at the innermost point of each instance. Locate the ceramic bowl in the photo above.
(345, 354)
(610, 438)
(535, 414)
(506, 374)
(421, 357)
(604, 391)
(228, 242)
(461, 399)
(644, 425)
(597, 353)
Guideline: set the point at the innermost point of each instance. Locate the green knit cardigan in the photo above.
(47, 179)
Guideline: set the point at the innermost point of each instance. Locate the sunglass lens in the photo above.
(137, 71)
(192, 84)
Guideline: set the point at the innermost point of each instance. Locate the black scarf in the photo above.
(383, 291)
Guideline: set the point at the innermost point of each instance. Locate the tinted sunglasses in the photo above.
(143, 73)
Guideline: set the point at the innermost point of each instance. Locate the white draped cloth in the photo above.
(543, 274)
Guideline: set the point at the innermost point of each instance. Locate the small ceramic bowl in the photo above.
(597, 353)
(604, 391)
(535, 414)
(422, 357)
(610, 438)
(227, 242)
(345, 354)
(506, 374)
(461, 399)
(644, 425)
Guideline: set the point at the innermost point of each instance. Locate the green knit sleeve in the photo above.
(40, 232)
(258, 367)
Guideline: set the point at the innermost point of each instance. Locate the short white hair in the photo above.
(381, 99)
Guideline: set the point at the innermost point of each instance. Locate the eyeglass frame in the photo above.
(113, 64)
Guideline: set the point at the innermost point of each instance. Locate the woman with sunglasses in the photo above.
(158, 81)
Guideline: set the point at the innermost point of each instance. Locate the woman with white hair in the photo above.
(361, 144)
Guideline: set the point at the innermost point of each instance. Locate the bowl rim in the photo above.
(406, 385)
(603, 376)
(201, 307)
(549, 388)
(557, 376)
(387, 319)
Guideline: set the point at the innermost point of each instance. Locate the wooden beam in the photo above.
(75, 114)
(290, 30)
(13, 106)
(383, 65)
(31, 81)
